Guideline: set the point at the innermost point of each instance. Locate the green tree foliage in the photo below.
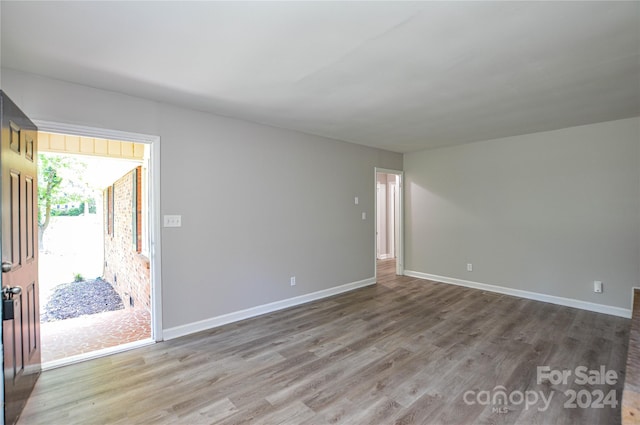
(59, 182)
(48, 186)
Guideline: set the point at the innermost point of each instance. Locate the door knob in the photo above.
(6, 267)
(11, 291)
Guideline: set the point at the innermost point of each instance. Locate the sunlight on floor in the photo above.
(70, 337)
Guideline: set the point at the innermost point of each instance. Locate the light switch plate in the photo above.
(172, 221)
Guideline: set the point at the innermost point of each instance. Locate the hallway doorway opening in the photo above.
(389, 217)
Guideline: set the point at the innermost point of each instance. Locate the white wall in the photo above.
(381, 216)
(392, 214)
(548, 212)
(241, 240)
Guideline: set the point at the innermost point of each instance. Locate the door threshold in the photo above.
(96, 354)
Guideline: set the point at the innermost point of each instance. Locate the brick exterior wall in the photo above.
(125, 267)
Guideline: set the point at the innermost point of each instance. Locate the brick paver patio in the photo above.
(70, 337)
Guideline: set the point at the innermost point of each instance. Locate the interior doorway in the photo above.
(389, 217)
(95, 263)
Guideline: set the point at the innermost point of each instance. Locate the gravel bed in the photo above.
(76, 299)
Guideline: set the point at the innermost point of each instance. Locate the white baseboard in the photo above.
(236, 316)
(569, 302)
(385, 256)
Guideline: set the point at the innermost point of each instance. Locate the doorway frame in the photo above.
(399, 218)
(155, 251)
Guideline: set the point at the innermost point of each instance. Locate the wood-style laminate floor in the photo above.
(404, 351)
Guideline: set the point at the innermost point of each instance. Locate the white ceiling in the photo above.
(396, 75)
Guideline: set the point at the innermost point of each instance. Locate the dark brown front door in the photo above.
(21, 317)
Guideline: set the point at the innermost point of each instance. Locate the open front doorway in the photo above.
(95, 268)
(389, 219)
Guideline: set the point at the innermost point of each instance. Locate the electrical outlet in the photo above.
(597, 286)
(356, 200)
(469, 267)
(293, 281)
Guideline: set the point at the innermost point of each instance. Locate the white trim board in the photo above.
(155, 250)
(236, 316)
(569, 302)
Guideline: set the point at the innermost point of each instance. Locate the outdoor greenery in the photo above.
(76, 211)
(60, 183)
